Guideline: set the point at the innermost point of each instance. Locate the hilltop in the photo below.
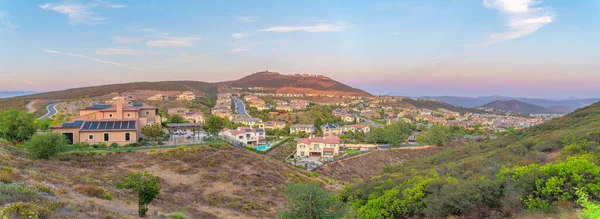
(266, 81)
(566, 104)
(202, 181)
(520, 107)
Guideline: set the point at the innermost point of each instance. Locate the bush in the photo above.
(93, 191)
(6, 176)
(178, 215)
(81, 145)
(114, 145)
(27, 210)
(44, 146)
(102, 145)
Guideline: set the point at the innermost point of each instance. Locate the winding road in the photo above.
(51, 108)
(240, 108)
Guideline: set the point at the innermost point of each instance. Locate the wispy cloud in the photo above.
(122, 51)
(244, 19)
(187, 58)
(522, 18)
(81, 13)
(239, 35)
(310, 29)
(239, 50)
(173, 42)
(5, 23)
(91, 58)
(125, 39)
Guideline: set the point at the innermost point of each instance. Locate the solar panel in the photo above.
(102, 125)
(86, 126)
(132, 124)
(94, 126)
(137, 104)
(110, 125)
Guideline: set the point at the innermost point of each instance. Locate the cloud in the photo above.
(522, 18)
(4, 22)
(173, 42)
(185, 57)
(122, 51)
(239, 35)
(239, 50)
(310, 29)
(91, 58)
(244, 19)
(125, 39)
(241, 46)
(80, 13)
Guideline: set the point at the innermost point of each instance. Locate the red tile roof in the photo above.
(324, 140)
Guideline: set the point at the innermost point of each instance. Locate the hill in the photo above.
(5, 94)
(202, 181)
(472, 180)
(306, 84)
(270, 81)
(518, 107)
(571, 104)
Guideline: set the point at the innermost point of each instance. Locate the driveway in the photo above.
(240, 108)
(51, 108)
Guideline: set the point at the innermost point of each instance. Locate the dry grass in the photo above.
(202, 181)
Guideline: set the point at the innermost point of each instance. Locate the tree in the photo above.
(308, 200)
(145, 184)
(213, 125)
(44, 124)
(16, 125)
(153, 132)
(436, 135)
(175, 119)
(44, 146)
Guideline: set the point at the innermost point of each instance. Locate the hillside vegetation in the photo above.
(521, 107)
(200, 182)
(538, 169)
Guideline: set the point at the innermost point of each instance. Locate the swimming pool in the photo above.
(263, 147)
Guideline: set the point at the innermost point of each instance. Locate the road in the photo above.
(51, 108)
(240, 108)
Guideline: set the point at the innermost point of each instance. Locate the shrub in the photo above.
(590, 210)
(93, 191)
(177, 215)
(310, 201)
(44, 146)
(6, 176)
(114, 145)
(27, 210)
(145, 184)
(102, 145)
(81, 145)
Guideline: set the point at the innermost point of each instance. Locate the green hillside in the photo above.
(531, 170)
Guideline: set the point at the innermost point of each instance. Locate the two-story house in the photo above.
(119, 123)
(307, 128)
(331, 129)
(356, 127)
(249, 121)
(245, 136)
(272, 125)
(328, 146)
(188, 95)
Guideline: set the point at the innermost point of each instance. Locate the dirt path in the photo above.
(30, 106)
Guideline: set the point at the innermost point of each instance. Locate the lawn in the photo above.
(352, 151)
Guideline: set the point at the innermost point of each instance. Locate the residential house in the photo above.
(272, 125)
(331, 129)
(356, 127)
(181, 111)
(327, 146)
(306, 128)
(159, 97)
(194, 117)
(244, 136)
(188, 95)
(249, 121)
(119, 123)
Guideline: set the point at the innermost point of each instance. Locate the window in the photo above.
(128, 136)
(301, 153)
(302, 146)
(241, 137)
(128, 115)
(317, 146)
(110, 115)
(106, 137)
(147, 113)
(91, 137)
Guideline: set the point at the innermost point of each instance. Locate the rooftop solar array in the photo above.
(108, 125)
(74, 124)
(99, 106)
(138, 105)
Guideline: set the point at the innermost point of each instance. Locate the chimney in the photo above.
(119, 102)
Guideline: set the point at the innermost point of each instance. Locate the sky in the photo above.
(527, 48)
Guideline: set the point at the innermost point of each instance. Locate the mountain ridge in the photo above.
(569, 103)
(520, 107)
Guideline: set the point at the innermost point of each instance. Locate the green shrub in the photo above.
(81, 145)
(93, 191)
(27, 210)
(44, 146)
(178, 215)
(6, 176)
(102, 145)
(114, 145)
(591, 210)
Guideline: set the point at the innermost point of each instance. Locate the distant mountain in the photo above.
(518, 107)
(570, 103)
(269, 81)
(6, 94)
